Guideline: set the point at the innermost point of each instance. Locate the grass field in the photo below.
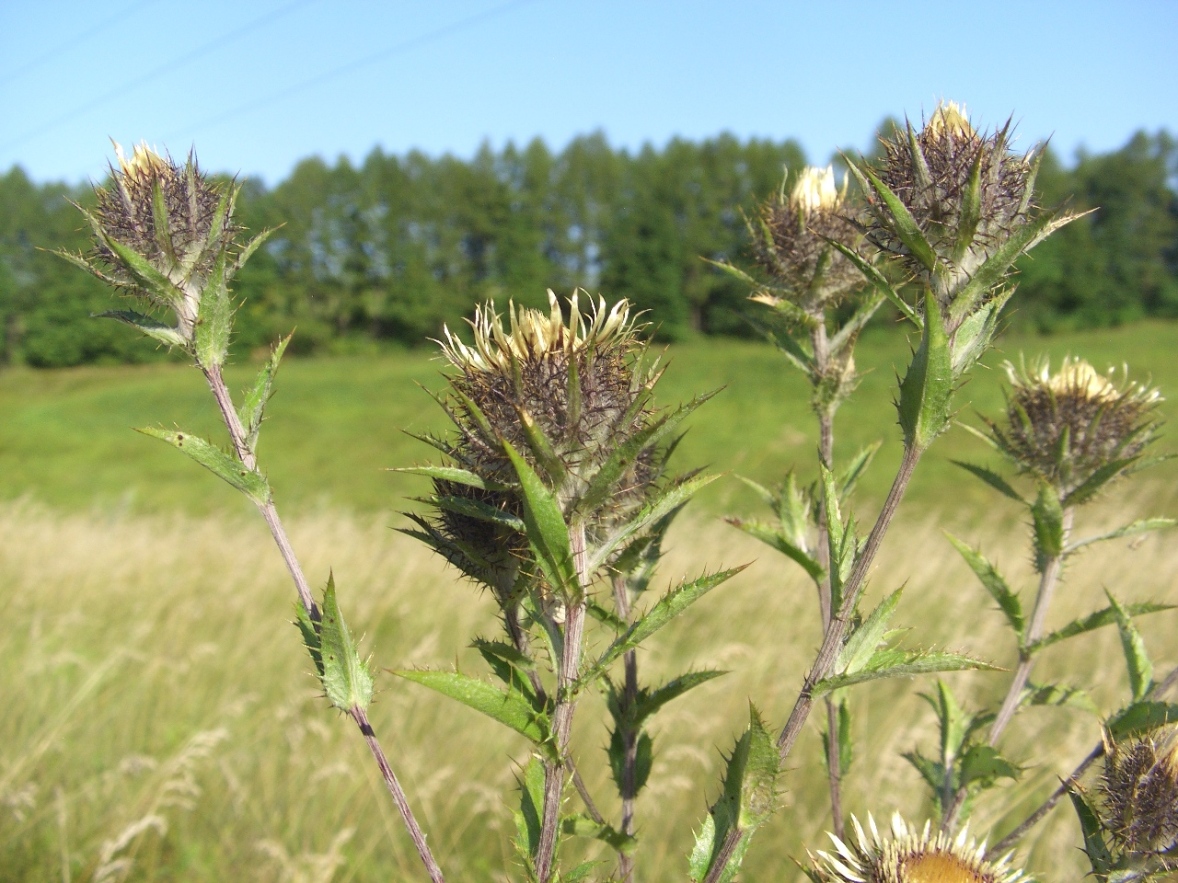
(160, 723)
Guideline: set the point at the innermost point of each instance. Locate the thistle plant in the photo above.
(1072, 432)
(164, 236)
(554, 483)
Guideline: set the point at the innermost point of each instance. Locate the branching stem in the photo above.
(1048, 580)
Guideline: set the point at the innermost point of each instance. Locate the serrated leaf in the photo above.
(932, 772)
(851, 328)
(476, 509)
(982, 764)
(776, 539)
(862, 643)
(900, 222)
(927, 388)
(546, 529)
(994, 269)
(880, 283)
(1102, 476)
(747, 800)
(643, 759)
(528, 816)
(253, 406)
(451, 474)
(649, 515)
(994, 583)
(1136, 657)
(509, 665)
(650, 702)
(541, 447)
(1047, 520)
(509, 707)
(1094, 846)
(346, 678)
(845, 741)
(993, 479)
(971, 207)
(1052, 694)
(214, 317)
(1141, 717)
(667, 608)
(581, 825)
(891, 663)
(151, 281)
(1093, 621)
(146, 325)
(850, 476)
(1144, 525)
(251, 483)
(622, 458)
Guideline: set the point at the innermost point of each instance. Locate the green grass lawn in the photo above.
(336, 425)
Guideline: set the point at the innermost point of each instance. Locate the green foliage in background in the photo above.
(389, 250)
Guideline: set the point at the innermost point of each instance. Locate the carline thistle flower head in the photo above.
(1139, 793)
(566, 396)
(906, 856)
(965, 192)
(1065, 427)
(793, 243)
(168, 216)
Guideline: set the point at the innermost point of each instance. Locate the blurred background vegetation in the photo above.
(386, 252)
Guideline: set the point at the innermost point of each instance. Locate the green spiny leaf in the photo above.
(1094, 846)
(580, 825)
(1093, 621)
(451, 474)
(776, 539)
(667, 608)
(1144, 525)
(982, 764)
(995, 584)
(254, 405)
(861, 644)
(850, 476)
(542, 449)
(971, 209)
(146, 325)
(511, 707)
(546, 529)
(891, 663)
(1141, 717)
(1047, 518)
(1136, 657)
(346, 679)
(899, 220)
(650, 702)
(880, 283)
(528, 816)
(927, 388)
(214, 319)
(230, 469)
(992, 478)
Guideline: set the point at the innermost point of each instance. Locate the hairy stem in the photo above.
(562, 716)
(1047, 583)
(269, 512)
(1046, 806)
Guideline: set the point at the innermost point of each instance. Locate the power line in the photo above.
(406, 46)
(171, 65)
(16, 73)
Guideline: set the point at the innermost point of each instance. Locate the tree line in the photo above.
(389, 250)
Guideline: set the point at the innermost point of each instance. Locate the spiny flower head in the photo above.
(966, 193)
(1067, 426)
(1139, 792)
(567, 396)
(793, 243)
(173, 218)
(906, 856)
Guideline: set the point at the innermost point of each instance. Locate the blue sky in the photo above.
(257, 85)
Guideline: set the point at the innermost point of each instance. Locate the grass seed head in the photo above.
(907, 856)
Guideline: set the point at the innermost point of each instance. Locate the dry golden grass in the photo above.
(160, 723)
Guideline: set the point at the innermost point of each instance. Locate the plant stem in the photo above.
(629, 732)
(833, 638)
(825, 413)
(562, 715)
(269, 512)
(1048, 580)
(853, 588)
(1045, 807)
